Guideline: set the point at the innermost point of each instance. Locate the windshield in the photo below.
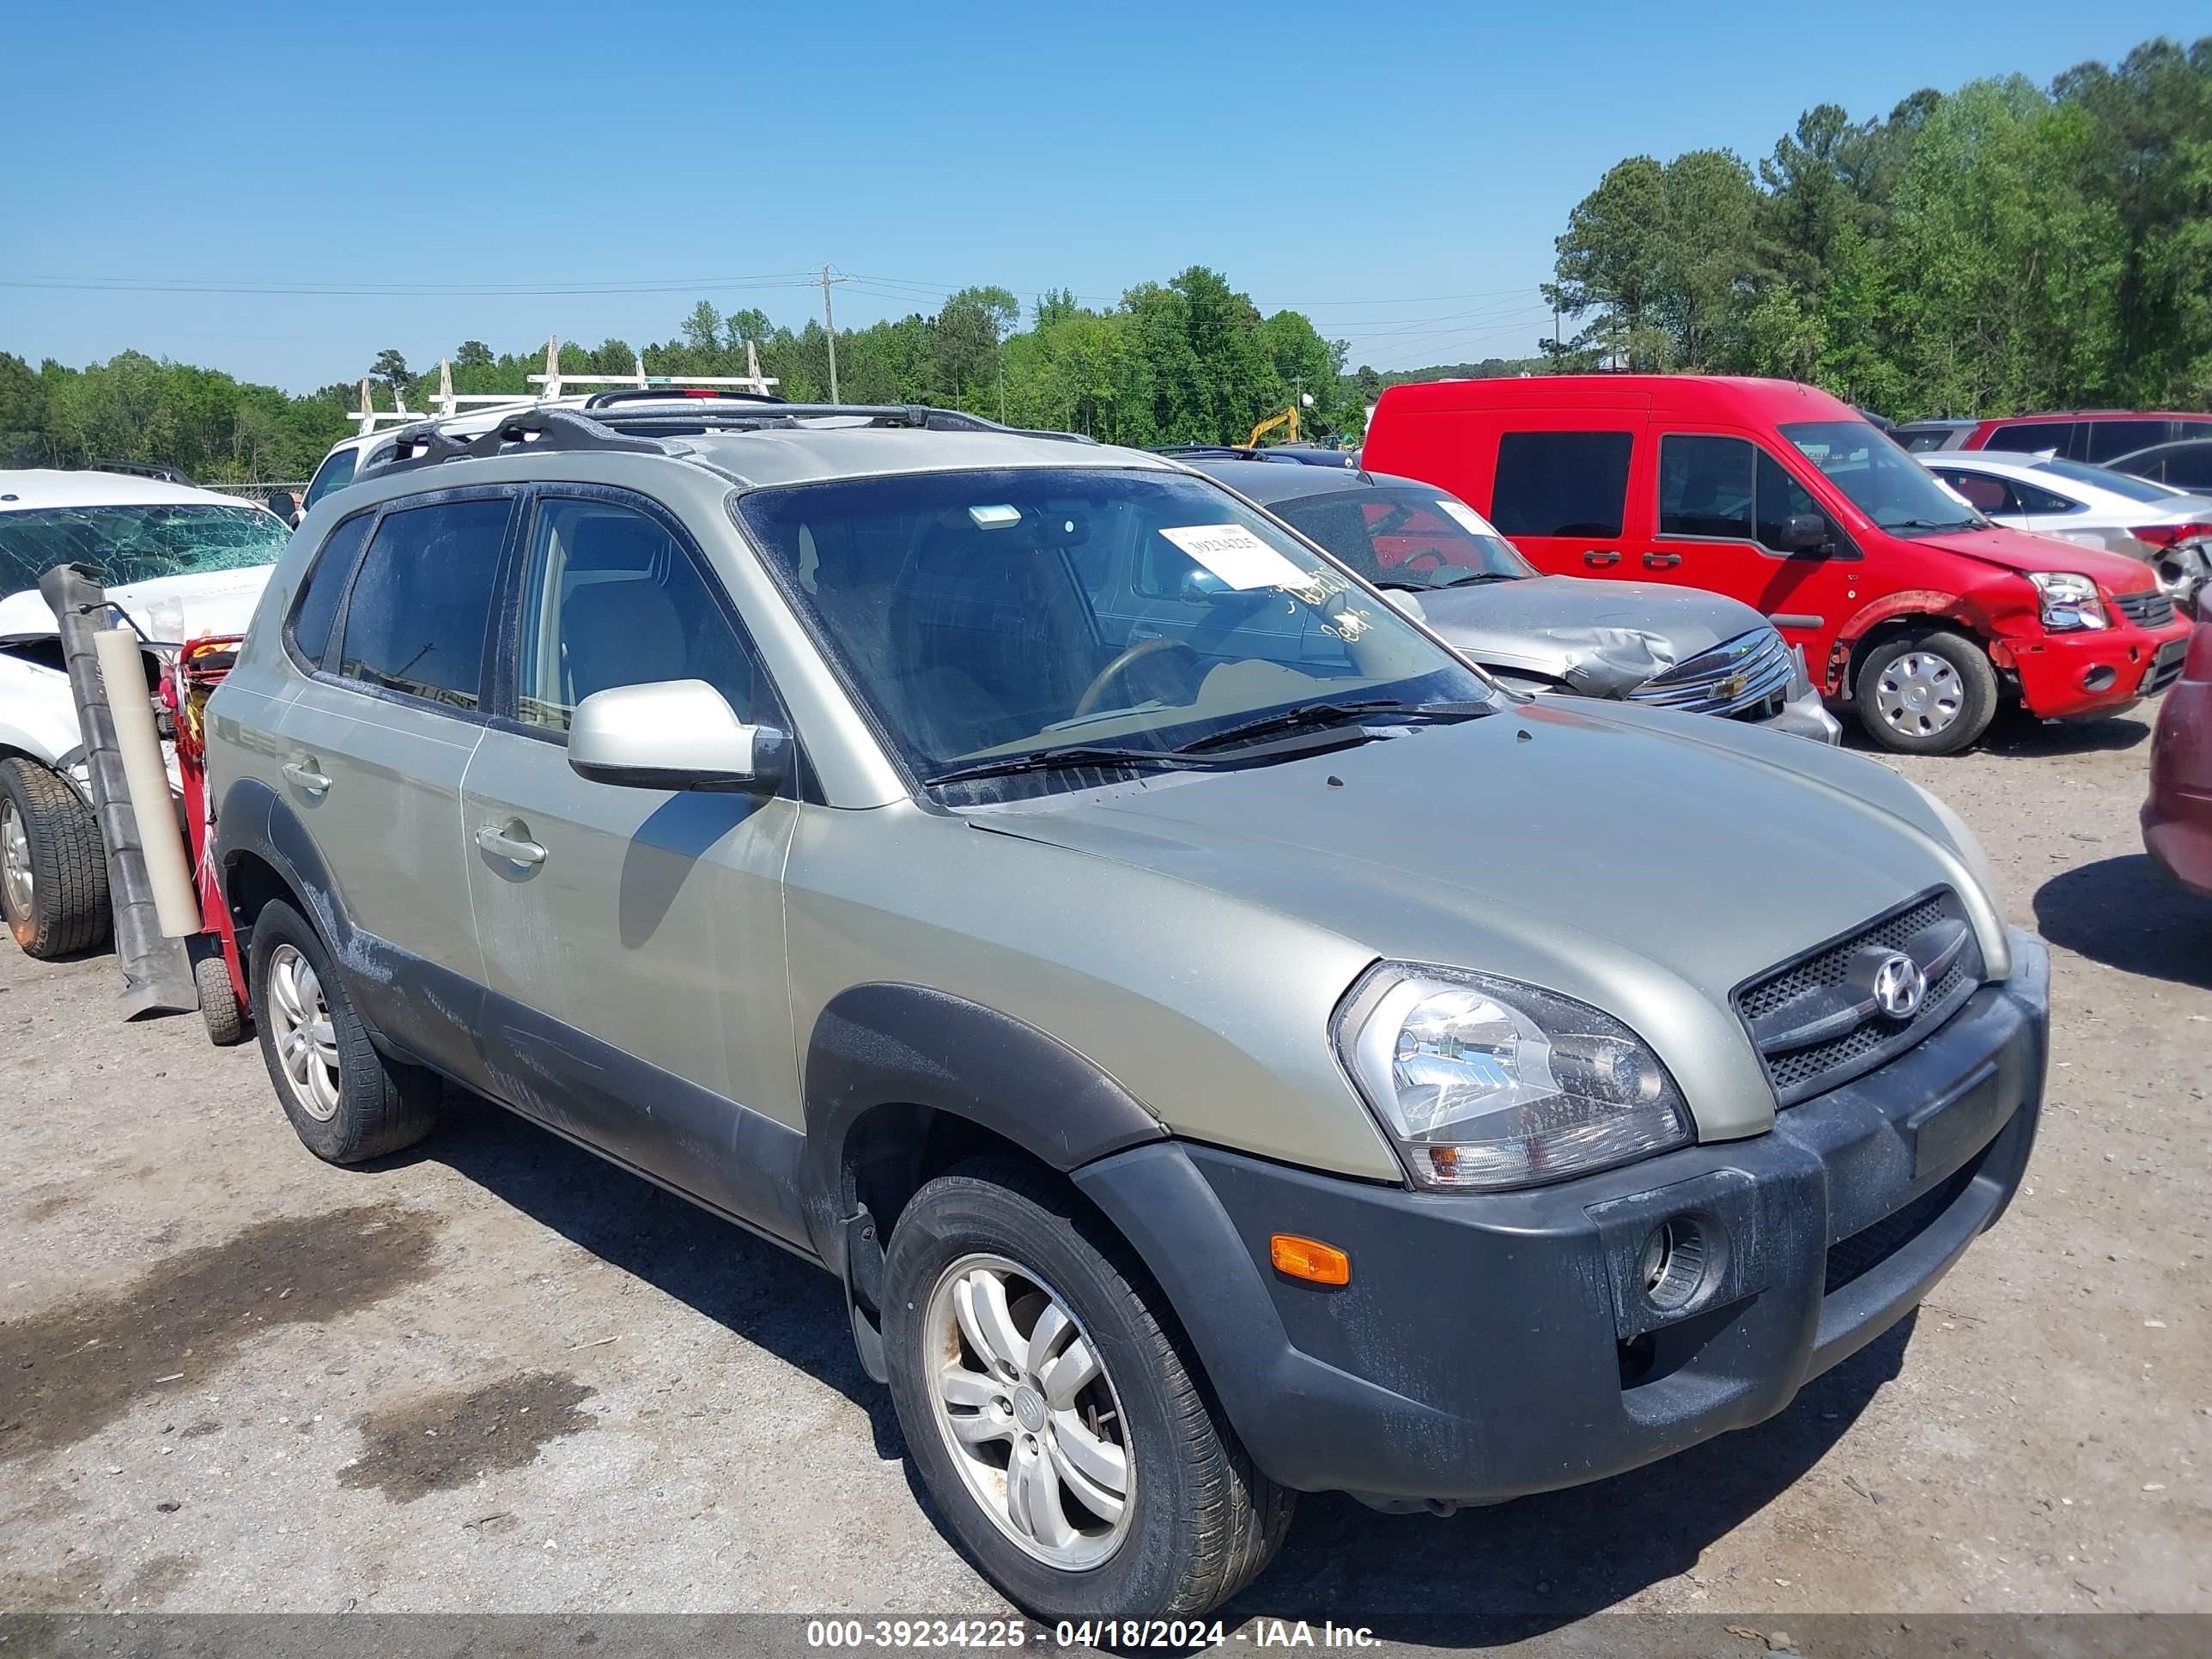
(1405, 535)
(137, 544)
(1883, 482)
(2120, 484)
(993, 614)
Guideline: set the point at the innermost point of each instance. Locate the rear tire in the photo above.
(219, 1006)
(1929, 693)
(1195, 1522)
(53, 869)
(347, 1100)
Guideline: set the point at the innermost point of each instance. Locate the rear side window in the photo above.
(318, 606)
(1561, 483)
(416, 619)
(2032, 437)
(2109, 438)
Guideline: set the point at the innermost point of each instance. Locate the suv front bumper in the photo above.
(1490, 1345)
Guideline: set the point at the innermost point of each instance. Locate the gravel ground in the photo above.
(495, 1374)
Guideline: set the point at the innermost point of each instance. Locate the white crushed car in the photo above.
(177, 562)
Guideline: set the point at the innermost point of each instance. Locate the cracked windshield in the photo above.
(1010, 621)
(137, 544)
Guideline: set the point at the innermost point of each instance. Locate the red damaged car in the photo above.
(2177, 819)
(1911, 607)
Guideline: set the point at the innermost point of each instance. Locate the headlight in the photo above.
(2069, 602)
(1487, 1083)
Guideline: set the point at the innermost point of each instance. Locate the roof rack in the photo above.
(675, 393)
(449, 403)
(658, 431)
(158, 470)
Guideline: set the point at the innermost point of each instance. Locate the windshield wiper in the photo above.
(1060, 757)
(1928, 524)
(1476, 577)
(1313, 715)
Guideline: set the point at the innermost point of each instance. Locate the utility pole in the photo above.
(830, 328)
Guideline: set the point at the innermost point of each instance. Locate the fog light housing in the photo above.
(1672, 1268)
(2100, 679)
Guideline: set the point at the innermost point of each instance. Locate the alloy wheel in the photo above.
(1028, 1413)
(18, 878)
(307, 1046)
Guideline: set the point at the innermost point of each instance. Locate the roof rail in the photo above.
(658, 431)
(676, 392)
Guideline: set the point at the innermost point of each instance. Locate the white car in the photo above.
(2167, 528)
(177, 561)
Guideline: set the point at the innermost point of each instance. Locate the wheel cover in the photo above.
(1027, 1413)
(18, 878)
(1919, 694)
(299, 1026)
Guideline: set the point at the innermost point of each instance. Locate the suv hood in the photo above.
(167, 610)
(2016, 549)
(1602, 639)
(1644, 861)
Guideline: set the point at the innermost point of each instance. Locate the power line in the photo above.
(405, 290)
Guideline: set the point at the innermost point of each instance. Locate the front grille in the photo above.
(2150, 610)
(1743, 675)
(1868, 1247)
(1823, 979)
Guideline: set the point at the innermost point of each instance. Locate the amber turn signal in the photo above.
(1309, 1259)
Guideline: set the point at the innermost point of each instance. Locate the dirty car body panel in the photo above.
(1142, 965)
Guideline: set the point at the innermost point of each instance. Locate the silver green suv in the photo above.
(1219, 1058)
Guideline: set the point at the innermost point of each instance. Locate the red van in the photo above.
(1909, 606)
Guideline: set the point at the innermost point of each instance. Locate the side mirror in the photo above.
(675, 734)
(1201, 586)
(1407, 601)
(1807, 532)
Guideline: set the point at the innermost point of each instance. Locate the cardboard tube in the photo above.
(167, 870)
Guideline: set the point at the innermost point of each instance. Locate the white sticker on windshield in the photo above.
(1236, 555)
(1465, 517)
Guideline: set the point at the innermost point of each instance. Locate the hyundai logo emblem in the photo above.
(1900, 987)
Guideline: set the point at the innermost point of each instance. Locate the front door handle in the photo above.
(1596, 557)
(499, 844)
(303, 773)
(1661, 561)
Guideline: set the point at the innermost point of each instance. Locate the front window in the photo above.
(137, 544)
(336, 473)
(1048, 616)
(1404, 536)
(1883, 482)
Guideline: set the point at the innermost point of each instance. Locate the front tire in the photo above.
(347, 1100)
(1931, 693)
(1080, 1461)
(53, 869)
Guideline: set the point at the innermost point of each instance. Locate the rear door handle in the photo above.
(303, 773)
(1594, 557)
(499, 844)
(1661, 561)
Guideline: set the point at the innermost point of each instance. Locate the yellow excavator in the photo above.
(1289, 417)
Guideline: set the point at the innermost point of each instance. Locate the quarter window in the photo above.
(1561, 483)
(325, 586)
(417, 618)
(610, 598)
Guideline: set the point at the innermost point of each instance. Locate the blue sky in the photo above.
(724, 150)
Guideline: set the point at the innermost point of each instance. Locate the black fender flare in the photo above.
(894, 1044)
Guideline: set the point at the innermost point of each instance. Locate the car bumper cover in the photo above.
(1490, 1345)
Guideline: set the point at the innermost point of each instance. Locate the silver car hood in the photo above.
(1602, 639)
(1644, 861)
